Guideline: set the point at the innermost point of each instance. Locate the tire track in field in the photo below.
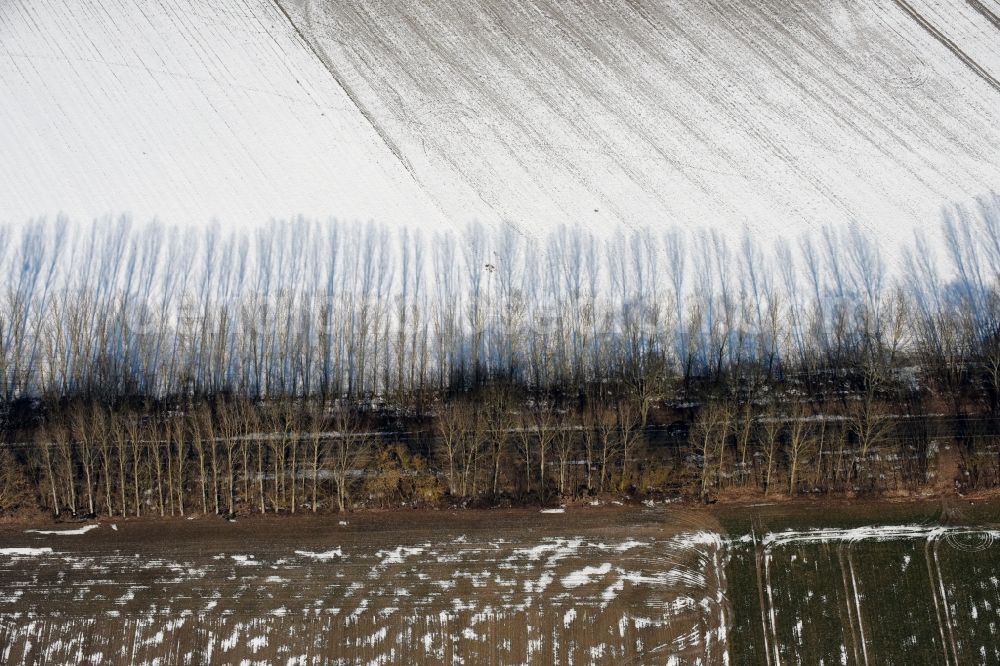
(465, 80)
(949, 44)
(985, 12)
(369, 118)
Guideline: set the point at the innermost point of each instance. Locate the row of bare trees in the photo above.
(147, 370)
(492, 446)
(231, 456)
(220, 457)
(791, 449)
(336, 310)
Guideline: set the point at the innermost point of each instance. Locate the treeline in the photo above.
(308, 365)
(336, 310)
(230, 456)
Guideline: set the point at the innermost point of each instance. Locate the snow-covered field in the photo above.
(186, 110)
(779, 115)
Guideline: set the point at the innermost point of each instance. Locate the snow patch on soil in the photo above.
(244, 560)
(585, 575)
(322, 557)
(398, 554)
(76, 532)
(25, 552)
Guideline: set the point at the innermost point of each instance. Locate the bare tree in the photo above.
(770, 427)
(499, 424)
(630, 426)
(197, 435)
(348, 452)
(608, 443)
(83, 432)
(315, 431)
(62, 444)
(566, 446)
(454, 424)
(177, 453)
(43, 442)
(546, 425)
(709, 432)
(14, 486)
(801, 446)
(871, 426)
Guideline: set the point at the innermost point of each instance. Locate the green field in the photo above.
(901, 585)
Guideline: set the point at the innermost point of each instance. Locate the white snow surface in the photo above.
(186, 110)
(772, 115)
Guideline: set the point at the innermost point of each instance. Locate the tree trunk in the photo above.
(47, 457)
